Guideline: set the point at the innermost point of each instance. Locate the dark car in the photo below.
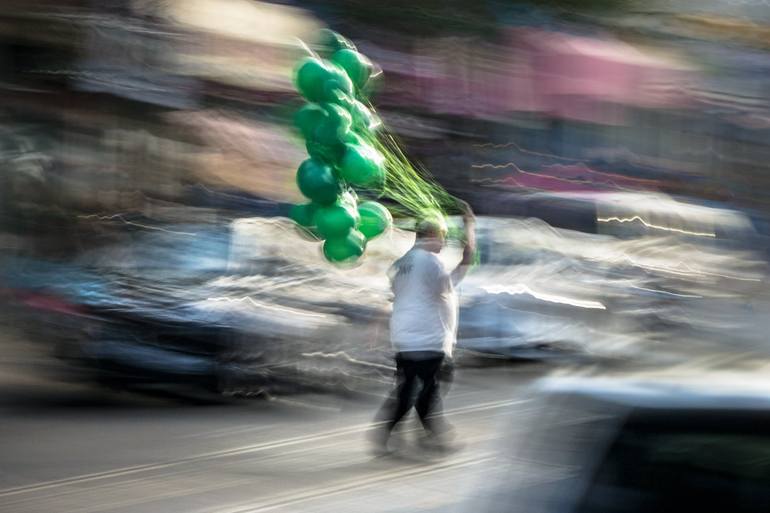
(633, 445)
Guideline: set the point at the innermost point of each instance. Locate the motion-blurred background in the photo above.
(617, 153)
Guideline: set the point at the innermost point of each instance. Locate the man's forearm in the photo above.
(468, 251)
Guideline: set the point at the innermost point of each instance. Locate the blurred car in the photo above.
(119, 317)
(637, 444)
(630, 214)
(249, 302)
(231, 307)
(196, 307)
(647, 265)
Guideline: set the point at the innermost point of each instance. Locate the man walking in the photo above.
(423, 327)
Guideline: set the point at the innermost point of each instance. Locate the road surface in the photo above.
(67, 449)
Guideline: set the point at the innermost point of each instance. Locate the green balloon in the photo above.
(347, 248)
(338, 83)
(355, 64)
(310, 78)
(328, 134)
(317, 182)
(339, 117)
(375, 219)
(362, 166)
(343, 100)
(363, 119)
(353, 138)
(308, 118)
(334, 128)
(320, 81)
(329, 153)
(335, 220)
(303, 214)
(332, 41)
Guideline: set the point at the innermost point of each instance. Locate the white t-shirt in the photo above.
(424, 304)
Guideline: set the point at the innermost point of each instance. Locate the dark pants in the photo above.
(417, 384)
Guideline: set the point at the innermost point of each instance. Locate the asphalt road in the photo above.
(66, 448)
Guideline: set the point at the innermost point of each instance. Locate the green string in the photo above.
(413, 190)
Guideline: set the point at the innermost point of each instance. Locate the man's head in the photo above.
(431, 234)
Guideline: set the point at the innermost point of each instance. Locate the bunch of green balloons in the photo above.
(337, 127)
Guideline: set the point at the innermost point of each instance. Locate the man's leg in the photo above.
(406, 374)
(429, 401)
(397, 404)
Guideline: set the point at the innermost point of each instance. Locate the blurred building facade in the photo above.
(121, 106)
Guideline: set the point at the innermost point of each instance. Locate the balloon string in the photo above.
(413, 188)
